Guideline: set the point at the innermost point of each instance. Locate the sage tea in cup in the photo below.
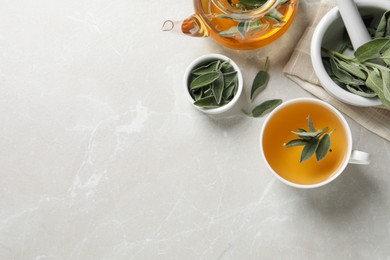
(314, 118)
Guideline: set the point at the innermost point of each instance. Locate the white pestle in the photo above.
(353, 22)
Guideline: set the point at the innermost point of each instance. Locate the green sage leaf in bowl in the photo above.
(212, 82)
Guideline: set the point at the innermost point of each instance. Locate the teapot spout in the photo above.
(192, 26)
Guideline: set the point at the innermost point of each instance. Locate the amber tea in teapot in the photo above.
(238, 24)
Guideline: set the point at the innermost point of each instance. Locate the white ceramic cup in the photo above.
(352, 156)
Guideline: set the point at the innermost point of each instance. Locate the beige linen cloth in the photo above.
(300, 70)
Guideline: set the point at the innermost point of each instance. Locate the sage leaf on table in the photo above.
(313, 141)
(265, 107)
(260, 81)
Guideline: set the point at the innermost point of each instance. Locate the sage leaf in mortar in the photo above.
(265, 107)
(375, 82)
(371, 49)
(260, 81)
(360, 92)
(383, 28)
(204, 80)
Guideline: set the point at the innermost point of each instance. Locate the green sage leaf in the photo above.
(259, 83)
(243, 27)
(296, 142)
(207, 102)
(386, 84)
(275, 14)
(217, 88)
(265, 107)
(310, 123)
(315, 134)
(197, 94)
(204, 80)
(359, 92)
(252, 3)
(371, 49)
(386, 57)
(213, 66)
(352, 69)
(231, 32)
(227, 67)
(228, 91)
(323, 147)
(309, 149)
(375, 82)
(229, 77)
(341, 75)
(383, 28)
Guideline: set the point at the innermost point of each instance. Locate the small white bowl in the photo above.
(203, 60)
(329, 34)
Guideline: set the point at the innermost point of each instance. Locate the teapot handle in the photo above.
(192, 26)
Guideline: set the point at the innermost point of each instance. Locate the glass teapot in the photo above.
(238, 24)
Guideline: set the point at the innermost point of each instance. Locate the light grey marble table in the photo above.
(102, 157)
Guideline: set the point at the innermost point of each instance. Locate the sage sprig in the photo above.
(314, 141)
(367, 72)
(213, 84)
(245, 27)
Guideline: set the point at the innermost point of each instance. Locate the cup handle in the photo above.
(358, 157)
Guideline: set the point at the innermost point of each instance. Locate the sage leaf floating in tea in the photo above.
(309, 149)
(313, 141)
(323, 147)
(214, 84)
